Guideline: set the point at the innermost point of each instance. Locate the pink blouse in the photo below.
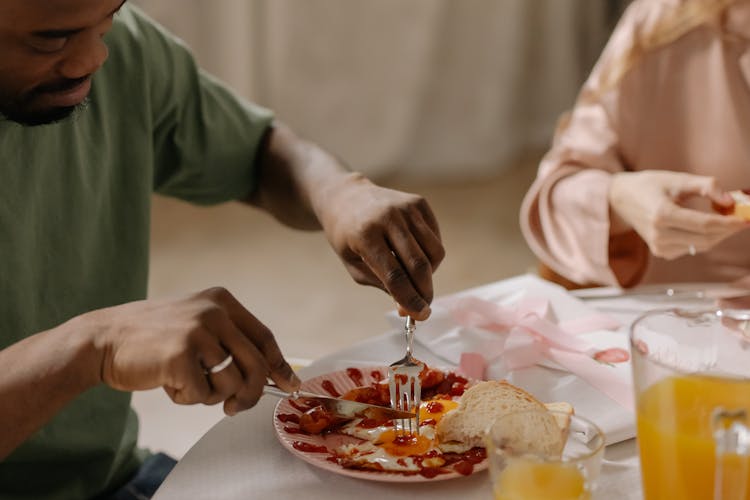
(684, 107)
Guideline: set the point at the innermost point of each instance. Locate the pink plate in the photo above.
(342, 383)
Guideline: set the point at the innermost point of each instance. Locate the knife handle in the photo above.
(272, 390)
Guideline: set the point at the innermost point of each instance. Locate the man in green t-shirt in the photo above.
(76, 333)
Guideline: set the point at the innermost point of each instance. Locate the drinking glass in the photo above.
(544, 455)
(691, 371)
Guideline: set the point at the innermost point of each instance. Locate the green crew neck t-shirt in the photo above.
(74, 228)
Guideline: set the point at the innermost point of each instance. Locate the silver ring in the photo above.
(217, 368)
(691, 250)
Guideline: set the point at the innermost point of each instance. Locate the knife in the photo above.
(342, 407)
(665, 294)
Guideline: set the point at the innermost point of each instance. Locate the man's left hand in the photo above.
(386, 238)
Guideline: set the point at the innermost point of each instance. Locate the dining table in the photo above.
(241, 457)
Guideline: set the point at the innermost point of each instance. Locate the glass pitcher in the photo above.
(691, 371)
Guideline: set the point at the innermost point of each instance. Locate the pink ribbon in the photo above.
(530, 336)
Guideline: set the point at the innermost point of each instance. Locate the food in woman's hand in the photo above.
(453, 417)
(741, 207)
(741, 203)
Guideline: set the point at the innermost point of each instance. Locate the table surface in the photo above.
(241, 457)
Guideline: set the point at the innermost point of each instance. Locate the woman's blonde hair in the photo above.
(686, 16)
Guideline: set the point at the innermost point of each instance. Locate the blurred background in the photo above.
(454, 100)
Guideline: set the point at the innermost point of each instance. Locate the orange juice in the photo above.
(526, 479)
(675, 438)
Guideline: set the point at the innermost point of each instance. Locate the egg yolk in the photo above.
(435, 409)
(403, 444)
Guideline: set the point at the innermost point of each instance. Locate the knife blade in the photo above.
(341, 407)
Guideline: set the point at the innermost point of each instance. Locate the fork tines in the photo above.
(405, 391)
(405, 386)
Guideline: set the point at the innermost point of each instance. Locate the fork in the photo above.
(403, 382)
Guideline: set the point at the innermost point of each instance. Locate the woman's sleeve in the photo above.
(565, 216)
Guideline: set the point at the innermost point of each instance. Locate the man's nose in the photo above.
(86, 54)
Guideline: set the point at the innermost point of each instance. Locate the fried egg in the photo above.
(390, 449)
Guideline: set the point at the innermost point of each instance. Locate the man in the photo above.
(75, 185)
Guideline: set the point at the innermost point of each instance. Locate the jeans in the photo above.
(147, 480)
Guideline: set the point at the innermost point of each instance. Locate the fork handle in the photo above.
(409, 328)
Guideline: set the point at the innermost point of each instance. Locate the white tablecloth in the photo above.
(241, 458)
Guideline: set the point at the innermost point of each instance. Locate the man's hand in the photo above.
(173, 343)
(649, 202)
(386, 238)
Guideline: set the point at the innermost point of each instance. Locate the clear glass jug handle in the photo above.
(732, 437)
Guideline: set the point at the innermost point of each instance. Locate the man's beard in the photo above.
(21, 111)
(44, 117)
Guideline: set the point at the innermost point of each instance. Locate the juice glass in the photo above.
(691, 371)
(544, 455)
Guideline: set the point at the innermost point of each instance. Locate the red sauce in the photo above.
(427, 421)
(376, 375)
(294, 430)
(613, 355)
(435, 407)
(355, 375)
(431, 472)
(721, 209)
(474, 455)
(401, 378)
(310, 448)
(288, 417)
(315, 420)
(457, 389)
(300, 406)
(452, 385)
(401, 462)
(379, 395)
(328, 386)
(464, 467)
(368, 423)
(431, 378)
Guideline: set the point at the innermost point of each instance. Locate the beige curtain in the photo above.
(443, 89)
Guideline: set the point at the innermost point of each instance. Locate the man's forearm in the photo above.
(295, 176)
(41, 374)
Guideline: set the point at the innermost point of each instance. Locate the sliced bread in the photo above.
(480, 405)
(562, 413)
(466, 426)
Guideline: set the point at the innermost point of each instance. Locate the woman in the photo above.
(660, 130)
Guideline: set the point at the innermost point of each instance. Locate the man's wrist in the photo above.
(323, 199)
(83, 335)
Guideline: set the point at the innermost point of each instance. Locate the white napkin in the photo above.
(448, 339)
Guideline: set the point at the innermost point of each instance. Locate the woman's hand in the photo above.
(650, 203)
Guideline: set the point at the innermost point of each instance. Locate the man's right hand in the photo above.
(173, 344)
